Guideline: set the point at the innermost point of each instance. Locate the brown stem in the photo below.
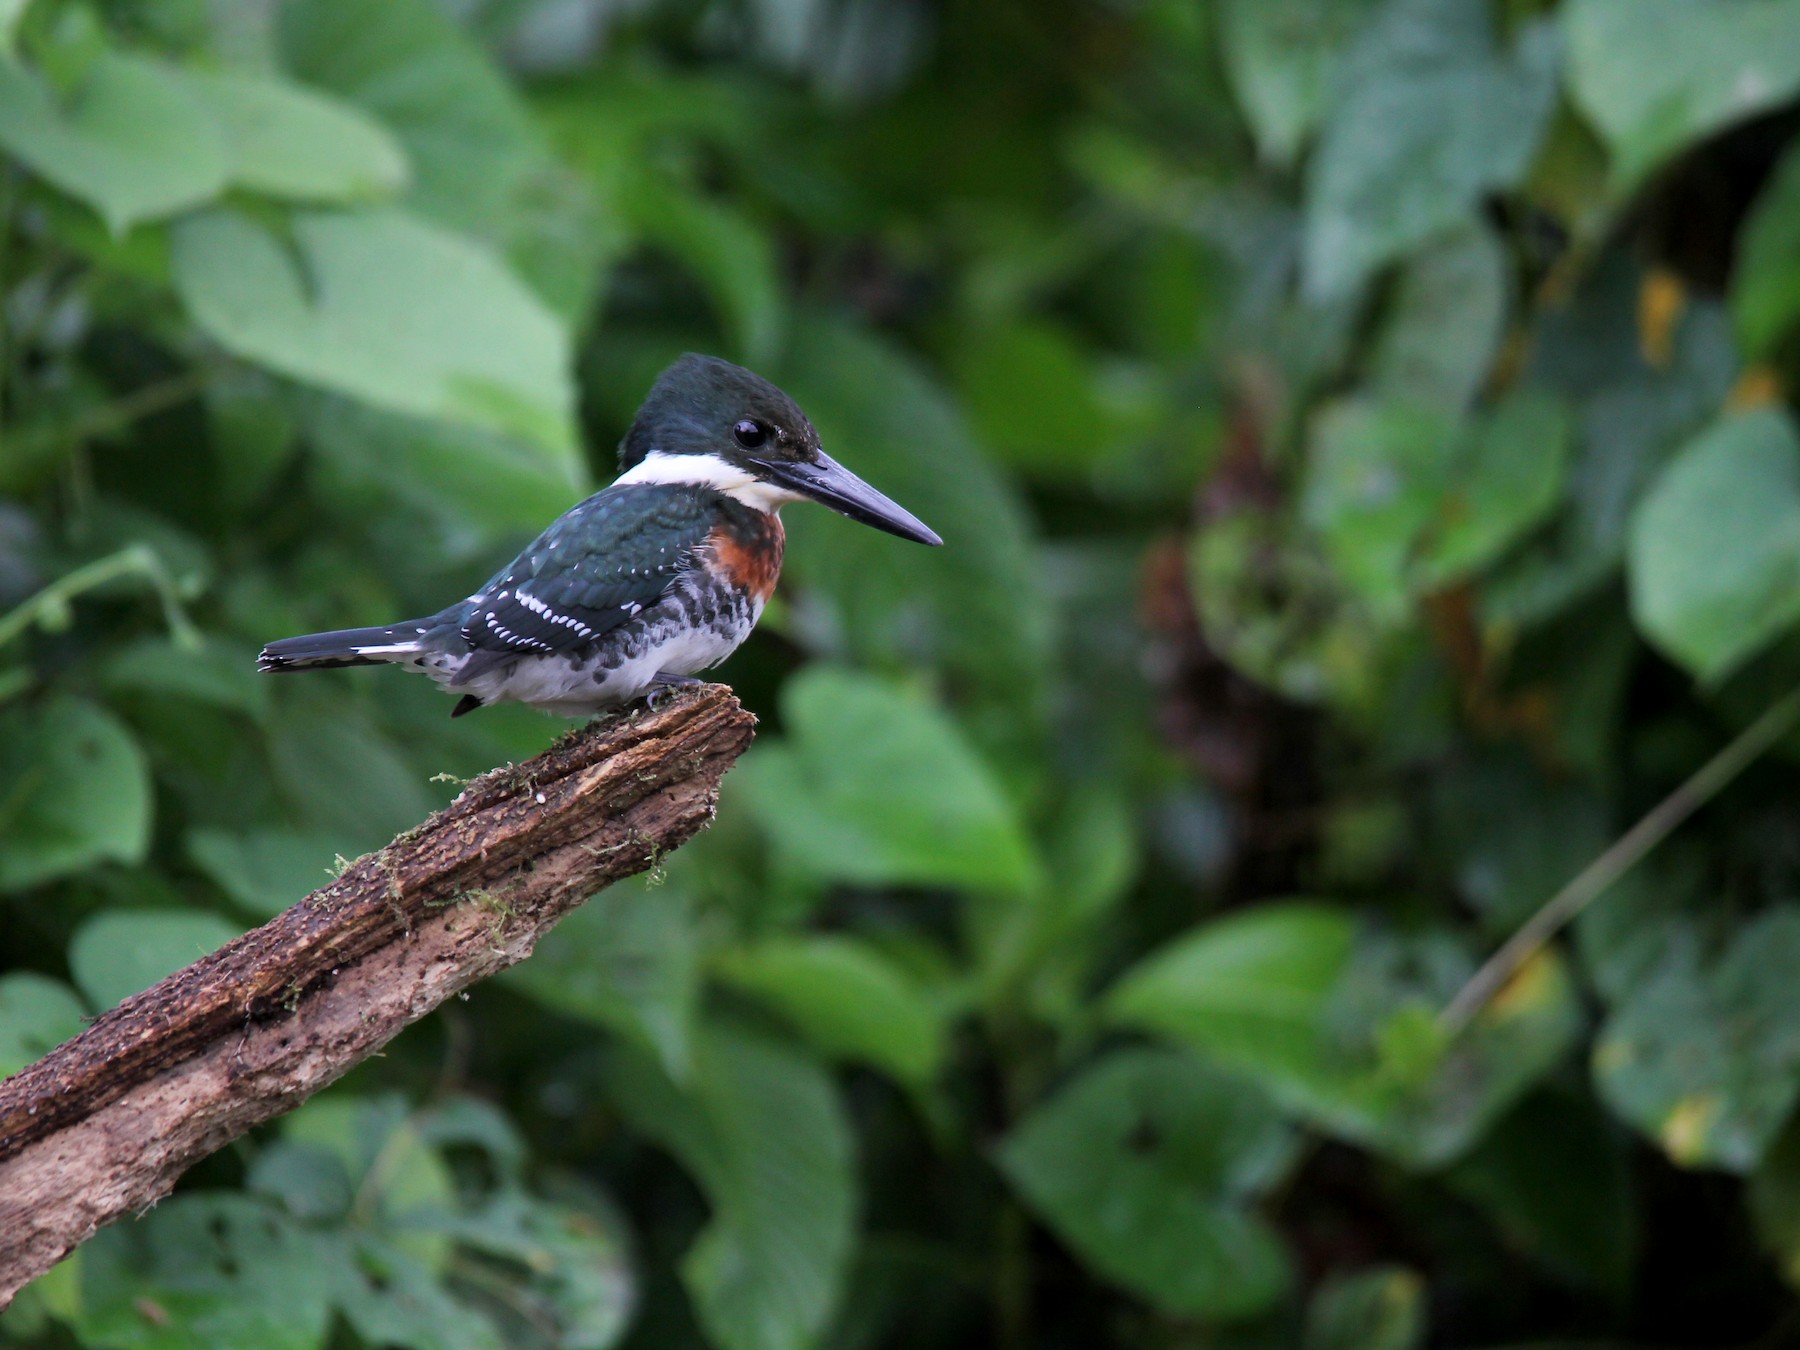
(103, 1125)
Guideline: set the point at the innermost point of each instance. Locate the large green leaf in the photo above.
(628, 959)
(133, 141)
(875, 786)
(1144, 1164)
(1714, 559)
(1657, 75)
(1431, 116)
(37, 1014)
(1282, 56)
(1704, 1055)
(388, 308)
(762, 1131)
(1347, 1037)
(1251, 988)
(846, 998)
(469, 137)
(74, 791)
(472, 478)
(288, 141)
(120, 952)
(1765, 287)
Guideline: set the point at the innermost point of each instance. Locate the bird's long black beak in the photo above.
(831, 484)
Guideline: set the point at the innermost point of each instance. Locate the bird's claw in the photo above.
(662, 685)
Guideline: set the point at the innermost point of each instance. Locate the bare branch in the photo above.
(105, 1124)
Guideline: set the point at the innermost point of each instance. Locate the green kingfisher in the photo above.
(646, 582)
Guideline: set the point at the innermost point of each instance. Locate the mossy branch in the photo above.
(104, 1125)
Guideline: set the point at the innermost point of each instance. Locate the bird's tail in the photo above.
(345, 647)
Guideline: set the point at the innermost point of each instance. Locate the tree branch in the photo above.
(105, 1124)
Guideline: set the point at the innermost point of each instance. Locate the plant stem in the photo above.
(121, 412)
(1620, 857)
(138, 559)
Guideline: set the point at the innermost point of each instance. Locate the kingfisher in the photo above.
(632, 591)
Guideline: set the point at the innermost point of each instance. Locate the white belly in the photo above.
(567, 688)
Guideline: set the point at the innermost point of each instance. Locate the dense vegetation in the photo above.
(1361, 431)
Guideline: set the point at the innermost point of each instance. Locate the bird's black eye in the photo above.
(750, 435)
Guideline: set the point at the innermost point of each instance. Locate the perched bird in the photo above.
(658, 576)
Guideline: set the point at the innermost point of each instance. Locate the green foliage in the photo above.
(1363, 437)
(1144, 1165)
(1712, 600)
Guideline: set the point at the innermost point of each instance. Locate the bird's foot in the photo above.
(662, 684)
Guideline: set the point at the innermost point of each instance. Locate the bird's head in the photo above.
(709, 422)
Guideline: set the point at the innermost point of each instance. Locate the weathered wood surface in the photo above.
(104, 1125)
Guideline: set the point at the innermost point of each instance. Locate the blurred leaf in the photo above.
(1509, 476)
(563, 1266)
(1632, 416)
(1557, 1175)
(469, 137)
(1715, 544)
(1657, 75)
(253, 436)
(1250, 987)
(977, 607)
(762, 1132)
(1703, 1056)
(628, 959)
(265, 871)
(1444, 321)
(1774, 1195)
(1429, 118)
(340, 773)
(1377, 474)
(1031, 397)
(1379, 1309)
(399, 1182)
(207, 1270)
(1407, 501)
(1348, 1038)
(876, 787)
(74, 791)
(133, 142)
(37, 1014)
(846, 998)
(388, 308)
(1765, 284)
(214, 672)
(389, 1297)
(729, 254)
(287, 141)
(1283, 56)
(1143, 1165)
(120, 952)
(472, 477)
(1514, 838)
